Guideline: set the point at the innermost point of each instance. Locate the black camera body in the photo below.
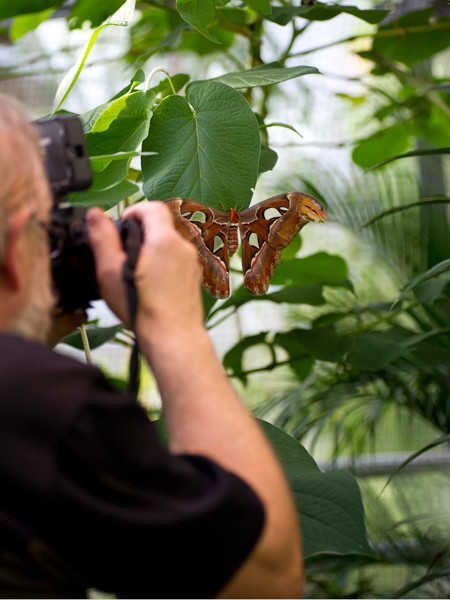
(68, 169)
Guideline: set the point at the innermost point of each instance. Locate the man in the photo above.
(89, 498)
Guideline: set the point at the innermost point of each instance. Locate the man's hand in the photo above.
(167, 274)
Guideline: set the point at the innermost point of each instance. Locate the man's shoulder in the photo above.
(21, 356)
(34, 376)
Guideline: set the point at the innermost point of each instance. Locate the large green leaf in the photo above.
(330, 507)
(322, 342)
(105, 199)
(267, 160)
(370, 350)
(97, 336)
(95, 12)
(300, 360)
(233, 359)
(310, 293)
(208, 147)
(436, 270)
(267, 74)
(414, 37)
(121, 127)
(199, 13)
(23, 7)
(25, 23)
(390, 141)
(316, 268)
(322, 12)
(261, 5)
(118, 126)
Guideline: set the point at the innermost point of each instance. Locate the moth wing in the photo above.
(207, 228)
(267, 228)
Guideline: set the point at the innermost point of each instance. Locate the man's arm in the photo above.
(203, 414)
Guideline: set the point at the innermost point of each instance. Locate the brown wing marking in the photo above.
(207, 228)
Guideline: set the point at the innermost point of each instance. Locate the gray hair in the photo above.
(21, 164)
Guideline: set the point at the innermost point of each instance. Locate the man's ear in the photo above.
(13, 264)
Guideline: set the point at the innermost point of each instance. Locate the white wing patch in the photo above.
(253, 240)
(218, 244)
(271, 213)
(197, 217)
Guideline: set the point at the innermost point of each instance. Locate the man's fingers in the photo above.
(109, 259)
(103, 234)
(153, 214)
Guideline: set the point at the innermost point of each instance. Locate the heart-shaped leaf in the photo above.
(208, 147)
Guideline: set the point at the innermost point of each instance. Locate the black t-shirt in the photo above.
(82, 469)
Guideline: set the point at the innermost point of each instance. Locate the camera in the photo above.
(68, 169)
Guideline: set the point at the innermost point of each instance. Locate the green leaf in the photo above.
(114, 173)
(267, 74)
(395, 209)
(301, 294)
(199, 14)
(25, 23)
(262, 5)
(285, 125)
(310, 293)
(233, 359)
(316, 268)
(433, 272)
(331, 513)
(321, 342)
(369, 350)
(290, 253)
(96, 336)
(95, 12)
(438, 442)
(178, 81)
(323, 12)
(137, 79)
(429, 152)
(208, 148)
(301, 362)
(267, 160)
(330, 507)
(432, 289)
(196, 42)
(414, 37)
(22, 7)
(73, 73)
(373, 149)
(105, 199)
(121, 127)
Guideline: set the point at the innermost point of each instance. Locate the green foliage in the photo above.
(360, 352)
(329, 504)
(208, 148)
(22, 7)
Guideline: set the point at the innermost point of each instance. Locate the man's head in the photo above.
(26, 299)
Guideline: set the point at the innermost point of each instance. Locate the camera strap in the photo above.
(132, 236)
(133, 369)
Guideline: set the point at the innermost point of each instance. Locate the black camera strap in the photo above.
(132, 236)
(134, 375)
